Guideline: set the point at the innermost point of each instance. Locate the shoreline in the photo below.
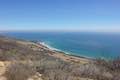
(48, 46)
(62, 52)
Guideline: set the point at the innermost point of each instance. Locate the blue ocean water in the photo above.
(95, 45)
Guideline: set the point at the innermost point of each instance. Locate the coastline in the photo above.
(48, 46)
(61, 53)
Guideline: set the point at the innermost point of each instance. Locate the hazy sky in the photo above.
(70, 15)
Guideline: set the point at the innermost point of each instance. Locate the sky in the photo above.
(60, 15)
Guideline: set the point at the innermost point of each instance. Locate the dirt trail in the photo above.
(2, 70)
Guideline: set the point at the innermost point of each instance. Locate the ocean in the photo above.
(86, 44)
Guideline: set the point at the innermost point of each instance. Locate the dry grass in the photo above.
(19, 71)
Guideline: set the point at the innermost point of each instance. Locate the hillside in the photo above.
(25, 60)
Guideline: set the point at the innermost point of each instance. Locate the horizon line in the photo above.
(100, 31)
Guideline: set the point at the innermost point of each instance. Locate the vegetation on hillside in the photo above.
(26, 61)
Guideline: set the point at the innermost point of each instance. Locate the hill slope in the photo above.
(24, 60)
